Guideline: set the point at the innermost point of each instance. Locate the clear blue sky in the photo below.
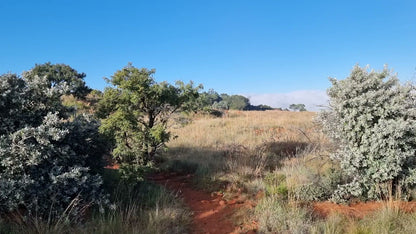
(231, 46)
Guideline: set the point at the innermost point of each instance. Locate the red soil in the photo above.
(358, 210)
(211, 213)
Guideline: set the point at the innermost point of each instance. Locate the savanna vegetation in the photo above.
(60, 142)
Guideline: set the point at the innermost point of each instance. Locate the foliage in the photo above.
(221, 105)
(207, 99)
(143, 208)
(237, 102)
(372, 119)
(136, 111)
(25, 103)
(86, 142)
(45, 162)
(85, 105)
(320, 187)
(260, 107)
(211, 100)
(59, 75)
(297, 107)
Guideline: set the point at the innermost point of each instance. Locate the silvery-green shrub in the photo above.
(371, 117)
(46, 161)
(24, 103)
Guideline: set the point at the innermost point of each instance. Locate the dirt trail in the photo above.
(211, 213)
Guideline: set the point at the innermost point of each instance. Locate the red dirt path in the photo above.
(211, 213)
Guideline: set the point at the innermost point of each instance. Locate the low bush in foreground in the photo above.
(49, 163)
(145, 208)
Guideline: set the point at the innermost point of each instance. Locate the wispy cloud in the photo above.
(313, 99)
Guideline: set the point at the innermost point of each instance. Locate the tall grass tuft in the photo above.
(277, 216)
(149, 209)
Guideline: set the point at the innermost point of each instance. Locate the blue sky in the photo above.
(237, 47)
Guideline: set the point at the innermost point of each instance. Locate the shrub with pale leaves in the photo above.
(46, 161)
(372, 117)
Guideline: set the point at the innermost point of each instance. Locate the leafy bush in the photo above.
(135, 113)
(25, 103)
(310, 192)
(322, 187)
(45, 162)
(373, 120)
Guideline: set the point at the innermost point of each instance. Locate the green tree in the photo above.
(60, 75)
(297, 107)
(372, 118)
(235, 102)
(260, 107)
(136, 111)
(238, 102)
(221, 105)
(207, 99)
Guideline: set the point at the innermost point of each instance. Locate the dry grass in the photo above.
(248, 128)
(241, 147)
(280, 153)
(272, 151)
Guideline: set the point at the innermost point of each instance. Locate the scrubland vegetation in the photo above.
(57, 135)
(52, 158)
(282, 156)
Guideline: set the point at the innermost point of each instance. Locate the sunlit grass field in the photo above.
(283, 155)
(248, 128)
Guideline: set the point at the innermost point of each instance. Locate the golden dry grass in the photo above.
(244, 145)
(231, 148)
(248, 128)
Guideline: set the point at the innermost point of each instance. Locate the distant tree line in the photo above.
(212, 100)
(297, 107)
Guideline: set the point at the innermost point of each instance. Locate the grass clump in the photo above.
(150, 208)
(276, 185)
(277, 216)
(388, 219)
